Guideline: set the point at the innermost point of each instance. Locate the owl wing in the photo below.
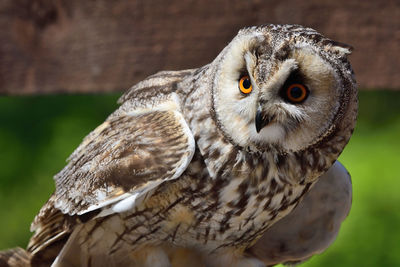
(141, 145)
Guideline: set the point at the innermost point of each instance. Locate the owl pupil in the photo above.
(246, 84)
(296, 92)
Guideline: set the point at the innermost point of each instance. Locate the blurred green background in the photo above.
(37, 134)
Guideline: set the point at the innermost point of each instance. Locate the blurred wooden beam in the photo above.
(51, 46)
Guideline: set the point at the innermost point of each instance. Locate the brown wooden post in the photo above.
(49, 46)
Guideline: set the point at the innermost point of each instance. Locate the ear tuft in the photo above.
(339, 48)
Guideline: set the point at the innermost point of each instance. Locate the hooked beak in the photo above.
(261, 121)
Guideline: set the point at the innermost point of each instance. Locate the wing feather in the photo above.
(124, 158)
(141, 145)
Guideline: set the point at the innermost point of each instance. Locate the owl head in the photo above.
(284, 87)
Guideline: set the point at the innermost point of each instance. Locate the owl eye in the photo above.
(245, 85)
(296, 93)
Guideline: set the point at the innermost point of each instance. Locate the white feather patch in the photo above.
(125, 204)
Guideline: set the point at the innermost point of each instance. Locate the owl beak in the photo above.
(261, 121)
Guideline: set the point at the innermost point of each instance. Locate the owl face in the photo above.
(283, 93)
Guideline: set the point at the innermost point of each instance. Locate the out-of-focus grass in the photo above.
(38, 133)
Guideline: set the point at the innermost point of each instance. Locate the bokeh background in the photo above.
(63, 65)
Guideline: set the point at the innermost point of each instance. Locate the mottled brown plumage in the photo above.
(181, 168)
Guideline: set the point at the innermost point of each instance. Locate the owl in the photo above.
(205, 167)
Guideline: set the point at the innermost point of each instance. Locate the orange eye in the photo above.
(296, 93)
(245, 85)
